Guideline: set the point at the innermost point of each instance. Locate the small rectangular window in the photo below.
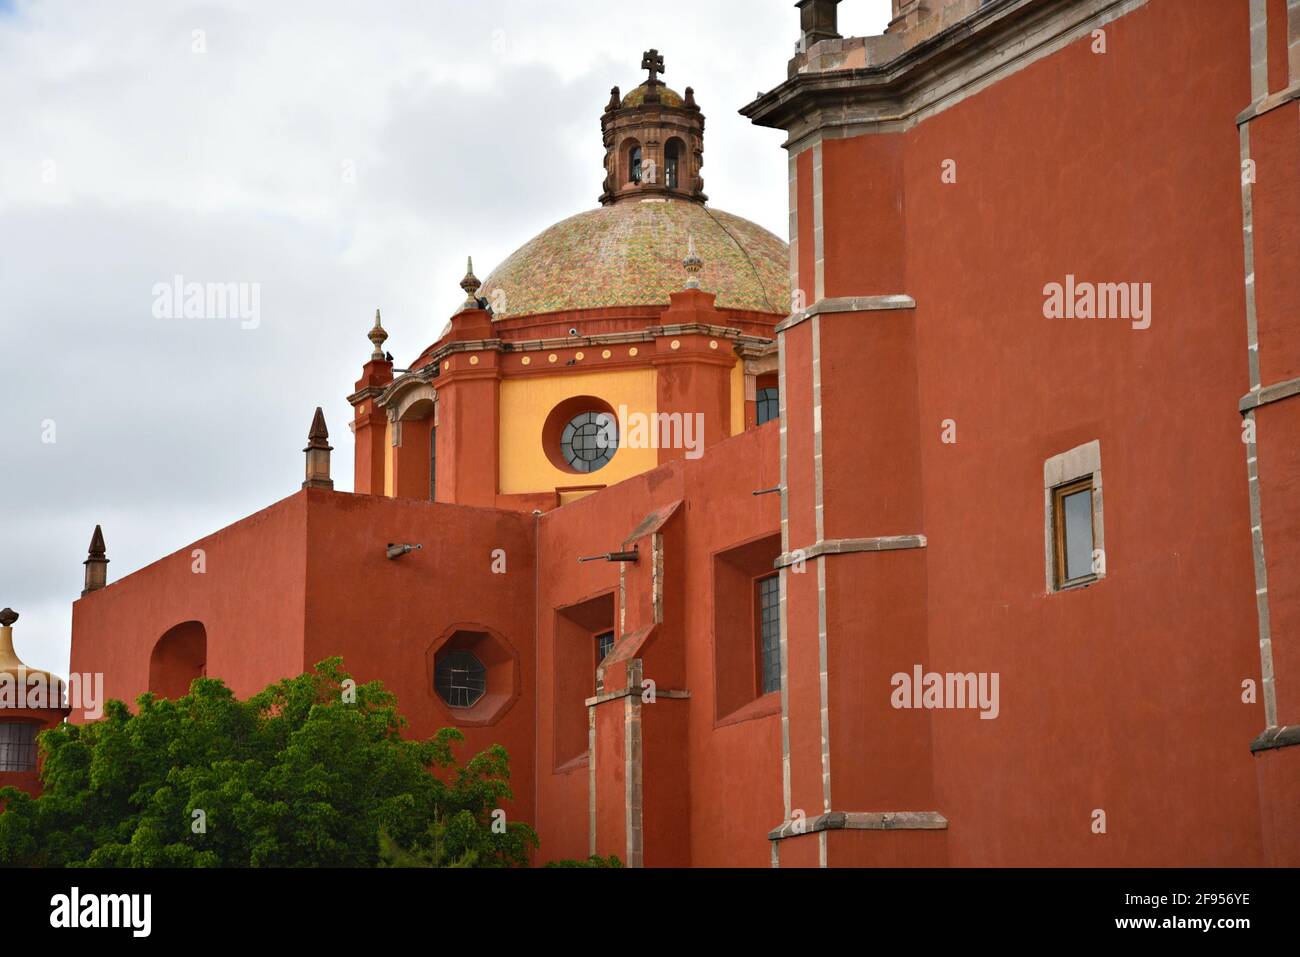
(1072, 528)
(604, 645)
(769, 633)
(768, 405)
(17, 746)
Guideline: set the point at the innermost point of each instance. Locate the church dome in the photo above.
(630, 254)
(667, 97)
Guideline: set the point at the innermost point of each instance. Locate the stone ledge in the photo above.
(1272, 738)
(861, 821)
(846, 546)
(637, 692)
(1268, 104)
(847, 304)
(1267, 395)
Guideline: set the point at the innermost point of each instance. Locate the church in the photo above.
(672, 508)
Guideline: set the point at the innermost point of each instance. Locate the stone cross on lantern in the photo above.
(653, 61)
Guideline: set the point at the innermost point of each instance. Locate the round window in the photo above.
(460, 679)
(589, 441)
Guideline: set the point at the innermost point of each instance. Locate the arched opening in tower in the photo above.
(673, 152)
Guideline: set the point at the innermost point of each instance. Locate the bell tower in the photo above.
(654, 141)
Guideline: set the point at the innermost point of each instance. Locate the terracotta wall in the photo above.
(250, 600)
(384, 616)
(1124, 696)
(724, 787)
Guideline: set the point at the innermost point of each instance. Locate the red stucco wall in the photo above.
(250, 600)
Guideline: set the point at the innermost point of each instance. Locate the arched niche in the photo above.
(180, 656)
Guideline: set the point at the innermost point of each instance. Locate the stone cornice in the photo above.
(369, 392)
(648, 334)
(740, 342)
(763, 350)
(994, 41)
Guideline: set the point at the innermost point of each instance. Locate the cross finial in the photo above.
(653, 61)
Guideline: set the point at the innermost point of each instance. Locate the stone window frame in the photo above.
(1065, 468)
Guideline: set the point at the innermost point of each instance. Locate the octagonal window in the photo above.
(460, 679)
(472, 674)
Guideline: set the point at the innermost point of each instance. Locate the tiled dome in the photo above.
(630, 253)
(666, 96)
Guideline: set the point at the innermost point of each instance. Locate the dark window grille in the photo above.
(769, 405)
(769, 632)
(433, 464)
(604, 645)
(460, 679)
(589, 441)
(17, 746)
(670, 166)
(636, 164)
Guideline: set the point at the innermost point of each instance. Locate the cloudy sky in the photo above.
(340, 156)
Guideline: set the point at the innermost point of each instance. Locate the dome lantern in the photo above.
(654, 141)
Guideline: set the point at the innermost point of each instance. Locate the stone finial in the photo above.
(377, 336)
(318, 435)
(318, 454)
(96, 563)
(615, 101)
(692, 263)
(7, 617)
(470, 283)
(689, 102)
(97, 548)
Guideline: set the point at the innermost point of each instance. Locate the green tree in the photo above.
(312, 771)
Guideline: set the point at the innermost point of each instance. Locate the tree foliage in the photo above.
(312, 771)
